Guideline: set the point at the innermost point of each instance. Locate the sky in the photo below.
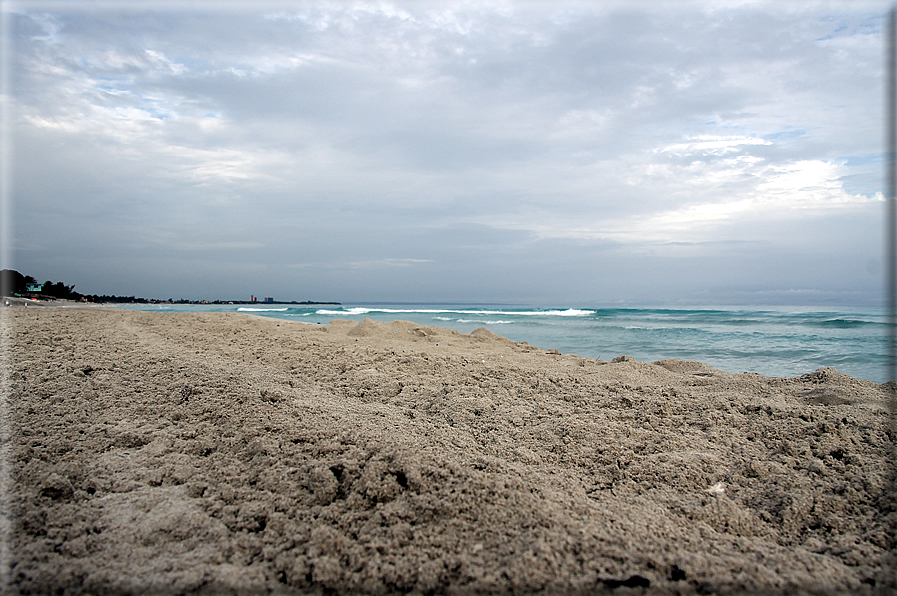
(545, 153)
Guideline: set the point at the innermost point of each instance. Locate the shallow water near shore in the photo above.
(773, 341)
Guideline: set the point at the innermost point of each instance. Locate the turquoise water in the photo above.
(779, 341)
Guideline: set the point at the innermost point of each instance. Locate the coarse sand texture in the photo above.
(208, 453)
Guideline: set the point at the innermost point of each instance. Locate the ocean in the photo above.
(774, 341)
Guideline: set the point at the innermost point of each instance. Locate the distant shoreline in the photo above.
(22, 300)
(305, 303)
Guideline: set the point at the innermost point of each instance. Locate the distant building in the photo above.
(252, 298)
(269, 299)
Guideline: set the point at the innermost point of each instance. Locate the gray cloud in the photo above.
(524, 152)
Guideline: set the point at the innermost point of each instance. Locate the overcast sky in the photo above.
(547, 153)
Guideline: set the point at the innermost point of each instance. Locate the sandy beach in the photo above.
(211, 453)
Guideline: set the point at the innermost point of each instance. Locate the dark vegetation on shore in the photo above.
(13, 283)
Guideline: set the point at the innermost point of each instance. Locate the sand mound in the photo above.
(686, 366)
(219, 452)
(395, 330)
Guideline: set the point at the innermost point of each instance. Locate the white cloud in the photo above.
(783, 192)
(159, 61)
(712, 145)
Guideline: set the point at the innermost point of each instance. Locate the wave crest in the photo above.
(363, 310)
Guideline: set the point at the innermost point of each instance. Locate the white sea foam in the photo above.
(348, 311)
(362, 310)
(485, 322)
(249, 309)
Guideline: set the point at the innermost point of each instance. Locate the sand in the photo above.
(217, 453)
